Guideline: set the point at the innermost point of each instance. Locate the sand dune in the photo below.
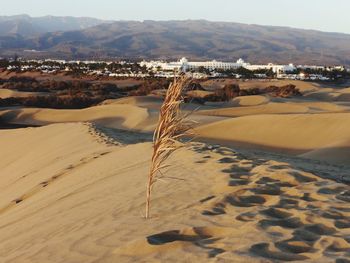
(250, 100)
(74, 190)
(74, 193)
(338, 152)
(116, 116)
(135, 113)
(315, 106)
(295, 126)
(7, 93)
(150, 102)
(293, 133)
(315, 125)
(330, 94)
(270, 108)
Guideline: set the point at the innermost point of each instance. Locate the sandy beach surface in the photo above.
(265, 180)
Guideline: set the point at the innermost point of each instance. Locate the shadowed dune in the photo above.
(293, 133)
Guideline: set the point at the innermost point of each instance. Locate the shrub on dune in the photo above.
(170, 128)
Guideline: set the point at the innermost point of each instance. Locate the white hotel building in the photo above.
(185, 65)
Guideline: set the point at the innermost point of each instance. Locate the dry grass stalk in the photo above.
(170, 128)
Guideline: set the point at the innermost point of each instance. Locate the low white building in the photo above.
(275, 68)
(185, 65)
(210, 65)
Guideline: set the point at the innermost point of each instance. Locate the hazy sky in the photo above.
(326, 15)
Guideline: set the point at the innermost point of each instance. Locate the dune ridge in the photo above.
(116, 116)
(296, 126)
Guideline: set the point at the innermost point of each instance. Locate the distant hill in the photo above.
(196, 39)
(27, 26)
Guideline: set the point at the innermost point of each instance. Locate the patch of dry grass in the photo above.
(172, 125)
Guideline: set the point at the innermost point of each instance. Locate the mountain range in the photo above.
(27, 26)
(89, 38)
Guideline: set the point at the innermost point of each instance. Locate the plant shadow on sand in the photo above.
(198, 237)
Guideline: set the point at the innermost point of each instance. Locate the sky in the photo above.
(325, 15)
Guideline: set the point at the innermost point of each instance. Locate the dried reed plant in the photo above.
(172, 125)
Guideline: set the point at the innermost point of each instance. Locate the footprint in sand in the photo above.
(263, 250)
(276, 213)
(227, 160)
(290, 222)
(342, 223)
(333, 214)
(288, 203)
(331, 190)
(237, 170)
(339, 245)
(247, 217)
(344, 196)
(245, 201)
(218, 209)
(302, 234)
(271, 181)
(280, 167)
(268, 190)
(302, 178)
(295, 247)
(320, 229)
(238, 182)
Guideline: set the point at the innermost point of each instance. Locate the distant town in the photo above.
(164, 69)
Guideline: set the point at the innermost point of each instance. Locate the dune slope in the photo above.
(116, 116)
(70, 193)
(292, 133)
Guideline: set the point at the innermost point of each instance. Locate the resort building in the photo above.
(185, 65)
